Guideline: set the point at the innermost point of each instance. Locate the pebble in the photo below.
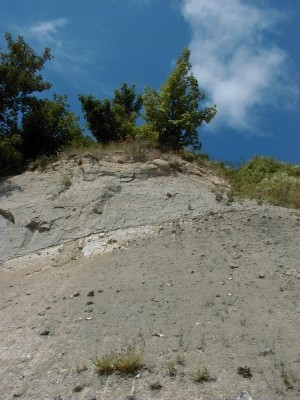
(44, 331)
(78, 388)
(244, 396)
(155, 385)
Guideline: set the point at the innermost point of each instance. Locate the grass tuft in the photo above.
(202, 375)
(287, 380)
(127, 361)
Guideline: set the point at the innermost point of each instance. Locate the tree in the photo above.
(173, 112)
(19, 78)
(127, 98)
(114, 119)
(48, 126)
(11, 158)
(100, 118)
(126, 107)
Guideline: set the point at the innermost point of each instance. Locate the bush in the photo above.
(10, 155)
(266, 179)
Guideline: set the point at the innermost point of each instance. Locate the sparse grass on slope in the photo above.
(263, 178)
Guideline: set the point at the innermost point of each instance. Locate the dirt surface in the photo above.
(219, 290)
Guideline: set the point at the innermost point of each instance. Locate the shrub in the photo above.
(127, 361)
(267, 179)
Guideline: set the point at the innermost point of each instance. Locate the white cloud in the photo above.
(68, 62)
(47, 31)
(234, 60)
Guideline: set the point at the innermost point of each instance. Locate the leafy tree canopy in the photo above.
(19, 78)
(48, 126)
(112, 119)
(174, 112)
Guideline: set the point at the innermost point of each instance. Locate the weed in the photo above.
(245, 371)
(180, 359)
(137, 151)
(81, 369)
(66, 182)
(181, 338)
(202, 375)
(155, 386)
(171, 366)
(42, 162)
(219, 196)
(230, 196)
(202, 342)
(219, 193)
(285, 377)
(209, 303)
(126, 361)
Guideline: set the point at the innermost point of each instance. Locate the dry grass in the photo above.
(127, 361)
(129, 151)
(202, 375)
(263, 178)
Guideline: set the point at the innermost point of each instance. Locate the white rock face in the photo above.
(102, 204)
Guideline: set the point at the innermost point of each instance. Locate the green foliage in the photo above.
(146, 132)
(128, 100)
(114, 119)
(19, 78)
(100, 118)
(173, 112)
(48, 126)
(10, 153)
(266, 179)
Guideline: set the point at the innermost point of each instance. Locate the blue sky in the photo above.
(245, 55)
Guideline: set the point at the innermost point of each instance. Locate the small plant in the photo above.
(42, 162)
(230, 197)
(181, 338)
(180, 359)
(202, 341)
(126, 361)
(81, 369)
(219, 193)
(285, 377)
(202, 375)
(172, 370)
(137, 151)
(219, 196)
(66, 182)
(245, 371)
(155, 385)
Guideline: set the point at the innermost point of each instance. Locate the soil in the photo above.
(218, 291)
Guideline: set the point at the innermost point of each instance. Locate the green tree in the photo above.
(100, 118)
(19, 78)
(48, 126)
(114, 119)
(128, 100)
(126, 108)
(11, 158)
(173, 112)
